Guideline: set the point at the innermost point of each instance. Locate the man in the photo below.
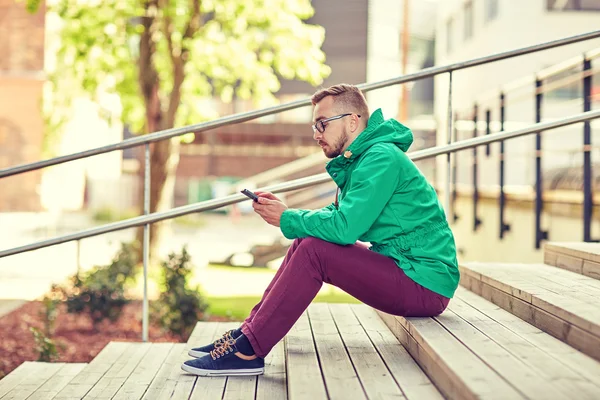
(409, 270)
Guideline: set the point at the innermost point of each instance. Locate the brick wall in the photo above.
(21, 123)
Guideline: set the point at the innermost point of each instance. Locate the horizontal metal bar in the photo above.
(247, 116)
(295, 184)
(568, 64)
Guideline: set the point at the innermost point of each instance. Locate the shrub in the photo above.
(178, 307)
(101, 291)
(44, 345)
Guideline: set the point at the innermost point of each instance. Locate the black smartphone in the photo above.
(250, 194)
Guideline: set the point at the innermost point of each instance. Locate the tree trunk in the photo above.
(164, 158)
(164, 155)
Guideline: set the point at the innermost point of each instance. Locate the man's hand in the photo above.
(269, 207)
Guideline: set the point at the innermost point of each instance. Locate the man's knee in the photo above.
(315, 244)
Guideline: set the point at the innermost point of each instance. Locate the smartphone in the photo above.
(250, 194)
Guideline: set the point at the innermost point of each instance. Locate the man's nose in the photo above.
(317, 135)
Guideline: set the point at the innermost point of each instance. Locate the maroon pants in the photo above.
(374, 279)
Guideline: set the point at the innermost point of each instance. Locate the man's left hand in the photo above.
(269, 209)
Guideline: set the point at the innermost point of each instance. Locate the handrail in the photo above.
(247, 116)
(297, 184)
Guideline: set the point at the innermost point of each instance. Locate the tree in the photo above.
(161, 57)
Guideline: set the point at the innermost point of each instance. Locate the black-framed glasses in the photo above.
(320, 125)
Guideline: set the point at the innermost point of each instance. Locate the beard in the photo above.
(338, 146)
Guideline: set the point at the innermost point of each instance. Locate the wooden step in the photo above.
(476, 350)
(583, 258)
(38, 380)
(560, 302)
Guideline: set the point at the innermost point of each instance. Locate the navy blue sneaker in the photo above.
(205, 350)
(226, 360)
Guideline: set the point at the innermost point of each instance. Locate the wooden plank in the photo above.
(157, 388)
(208, 387)
(377, 381)
(176, 383)
(582, 250)
(575, 307)
(549, 323)
(550, 377)
(85, 380)
(435, 339)
(118, 373)
(36, 374)
(16, 376)
(550, 257)
(413, 382)
(455, 370)
(339, 374)
(140, 379)
(304, 375)
(513, 370)
(583, 365)
(273, 384)
(591, 269)
(569, 263)
(57, 382)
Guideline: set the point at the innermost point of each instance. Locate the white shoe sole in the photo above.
(223, 372)
(197, 354)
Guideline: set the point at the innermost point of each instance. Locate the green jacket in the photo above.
(386, 201)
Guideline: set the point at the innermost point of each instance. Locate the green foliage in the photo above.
(178, 307)
(31, 5)
(238, 47)
(45, 346)
(108, 214)
(101, 291)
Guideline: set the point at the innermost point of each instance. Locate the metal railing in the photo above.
(507, 95)
(148, 218)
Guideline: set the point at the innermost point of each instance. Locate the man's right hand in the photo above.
(268, 195)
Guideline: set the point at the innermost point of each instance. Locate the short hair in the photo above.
(348, 98)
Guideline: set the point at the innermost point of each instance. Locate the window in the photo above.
(449, 31)
(468, 20)
(573, 5)
(491, 10)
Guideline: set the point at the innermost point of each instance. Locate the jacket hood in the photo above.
(379, 130)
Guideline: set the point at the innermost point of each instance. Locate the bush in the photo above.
(101, 291)
(178, 307)
(44, 345)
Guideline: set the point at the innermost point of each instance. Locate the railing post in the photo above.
(488, 130)
(588, 200)
(146, 243)
(449, 141)
(476, 220)
(539, 190)
(455, 217)
(502, 197)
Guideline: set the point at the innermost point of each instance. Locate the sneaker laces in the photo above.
(226, 337)
(225, 348)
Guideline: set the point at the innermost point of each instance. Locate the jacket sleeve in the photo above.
(371, 187)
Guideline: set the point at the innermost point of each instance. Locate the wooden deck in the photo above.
(335, 351)
(513, 331)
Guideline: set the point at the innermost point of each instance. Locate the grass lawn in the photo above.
(249, 283)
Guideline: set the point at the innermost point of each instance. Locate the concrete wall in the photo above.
(562, 220)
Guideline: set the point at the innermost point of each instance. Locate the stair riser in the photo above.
(574, 264)
(562, 330)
